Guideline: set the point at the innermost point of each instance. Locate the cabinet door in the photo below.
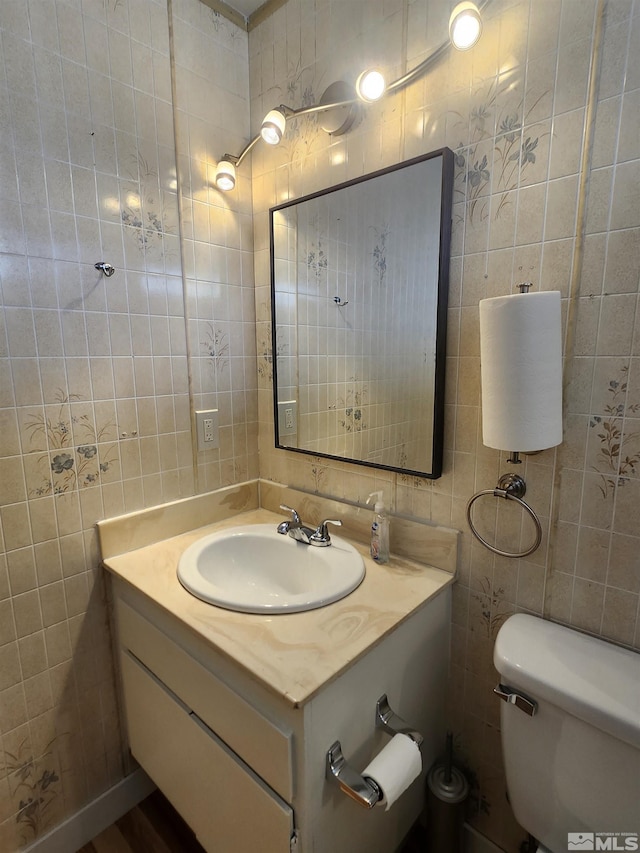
(261, 743)
(225, 803)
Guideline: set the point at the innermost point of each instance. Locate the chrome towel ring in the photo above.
(513, 488)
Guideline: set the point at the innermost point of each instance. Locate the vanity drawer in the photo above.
(227, 805)
(265, 746)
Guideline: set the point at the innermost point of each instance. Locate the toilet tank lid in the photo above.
(587, 677)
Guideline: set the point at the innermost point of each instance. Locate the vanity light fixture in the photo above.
(465, 28)
(465, 25)
(226, 173)
(273, 126)
(371, 85)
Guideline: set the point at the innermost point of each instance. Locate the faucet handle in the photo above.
(295, 518)
(321, 536)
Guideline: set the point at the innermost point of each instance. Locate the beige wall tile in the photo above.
(9, 440)
(7, 624)
(531, 214)
(43, 519)
(20, 332)
(38, 695)
(48, 562)
(58, 644)
(628, 146)
(620, 615)
(595, 253)
(624, 207)
(33, 657)
(626, 512)
(21, 568)
(53, 604)
(566, 146)
(617, 320)
(623, 260)
(587, 605)
(13, 711)
(27, 613)
(606, 131)
(10, 673)
(614, 58)
(15, 522)
(12, 485)
(562, 197)
(593, 554)
(624, 563)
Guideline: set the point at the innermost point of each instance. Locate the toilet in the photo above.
(570, 724)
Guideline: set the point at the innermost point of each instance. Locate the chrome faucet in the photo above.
(301, 533)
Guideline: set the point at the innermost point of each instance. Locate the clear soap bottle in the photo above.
(379, 530)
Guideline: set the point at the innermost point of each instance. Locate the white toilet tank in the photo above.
(574, 765)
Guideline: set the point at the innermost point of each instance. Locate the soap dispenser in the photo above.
(379, 530)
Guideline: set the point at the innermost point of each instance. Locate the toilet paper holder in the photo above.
(361, 788)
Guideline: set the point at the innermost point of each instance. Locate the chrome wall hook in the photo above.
(106, 268)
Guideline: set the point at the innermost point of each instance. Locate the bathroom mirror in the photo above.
(359, 280)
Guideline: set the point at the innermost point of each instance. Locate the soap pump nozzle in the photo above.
(379, 504)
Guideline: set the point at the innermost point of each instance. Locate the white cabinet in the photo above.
(228, 806)
(244, 766)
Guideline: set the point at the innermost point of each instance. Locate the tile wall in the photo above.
(513, 111)
(95, 415)
(212, 117)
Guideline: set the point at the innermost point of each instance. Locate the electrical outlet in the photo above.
(287, 418)
(207, 428)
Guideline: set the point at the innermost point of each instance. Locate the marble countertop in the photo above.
(293, 654)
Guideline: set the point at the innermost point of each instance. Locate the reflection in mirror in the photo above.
(359, 277)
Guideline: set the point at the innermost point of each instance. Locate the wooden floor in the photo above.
(154, 826)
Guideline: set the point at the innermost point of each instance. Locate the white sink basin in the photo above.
(254, 569)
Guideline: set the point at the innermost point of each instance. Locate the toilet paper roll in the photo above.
(521, 370)
(394, 768)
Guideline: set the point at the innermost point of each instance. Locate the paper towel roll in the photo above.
(394, 768)
(521, 368)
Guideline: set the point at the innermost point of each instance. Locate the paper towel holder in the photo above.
(521, 396)
(514, 455)
(361, 788)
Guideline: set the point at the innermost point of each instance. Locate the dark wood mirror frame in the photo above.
(429, 250)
